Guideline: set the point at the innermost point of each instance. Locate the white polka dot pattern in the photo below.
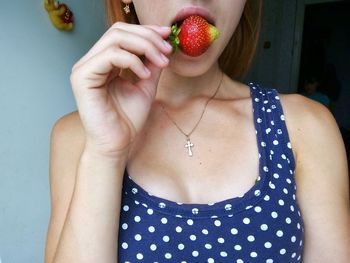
(263, 225)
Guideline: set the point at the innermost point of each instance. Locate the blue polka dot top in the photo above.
(263, 225)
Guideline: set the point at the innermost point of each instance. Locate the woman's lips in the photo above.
(193, 10)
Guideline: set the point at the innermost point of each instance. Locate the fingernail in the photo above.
(165, 28)
(167, 44)
(147, 71)
(164, 58)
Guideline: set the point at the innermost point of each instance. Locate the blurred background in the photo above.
(304, 48)
(36, 61)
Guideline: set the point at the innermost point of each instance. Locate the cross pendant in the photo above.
(189, 146)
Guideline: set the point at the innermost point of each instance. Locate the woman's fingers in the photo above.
(113, 109)
(153, 33)
(135, 36)
(140, 46)
(96, 70)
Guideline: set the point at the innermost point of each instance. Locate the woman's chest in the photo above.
(252, 228)
(224, 163)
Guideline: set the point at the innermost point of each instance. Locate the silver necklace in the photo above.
(189, 144)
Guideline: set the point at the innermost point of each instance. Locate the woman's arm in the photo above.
(85, 199)
(322, 180)
(86, 177)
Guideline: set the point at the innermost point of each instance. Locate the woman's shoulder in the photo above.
(321, 175)
(67, 136)
(313, 131)
(306, 116)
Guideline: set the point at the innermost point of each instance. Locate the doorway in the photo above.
(325, 57)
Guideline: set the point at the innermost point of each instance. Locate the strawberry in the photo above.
(194, 36)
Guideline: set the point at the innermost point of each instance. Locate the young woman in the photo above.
(170, 159)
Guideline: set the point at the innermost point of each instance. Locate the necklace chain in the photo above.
(189, 144)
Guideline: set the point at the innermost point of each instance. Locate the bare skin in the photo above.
(120, 125)
(318, 204)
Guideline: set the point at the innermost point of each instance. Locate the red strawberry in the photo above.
(194, 36)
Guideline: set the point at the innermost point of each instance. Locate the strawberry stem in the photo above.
(174, 37)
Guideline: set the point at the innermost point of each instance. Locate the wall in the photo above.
(272, 67)
(338, 53)
(278, 66)
(326, 40)
(36, 60)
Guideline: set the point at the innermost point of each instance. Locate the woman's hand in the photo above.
(112, 109)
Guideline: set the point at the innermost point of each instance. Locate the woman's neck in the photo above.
(175, 91)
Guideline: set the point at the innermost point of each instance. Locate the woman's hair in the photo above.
(238, 54)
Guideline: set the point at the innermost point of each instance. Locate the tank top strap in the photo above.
(272, 131)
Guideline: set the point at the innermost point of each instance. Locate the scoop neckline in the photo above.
(226, 207)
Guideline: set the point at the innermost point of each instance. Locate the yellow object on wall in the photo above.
(60, 15)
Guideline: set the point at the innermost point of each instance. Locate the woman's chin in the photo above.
(187, 66)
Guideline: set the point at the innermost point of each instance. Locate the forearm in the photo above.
(90, 230)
